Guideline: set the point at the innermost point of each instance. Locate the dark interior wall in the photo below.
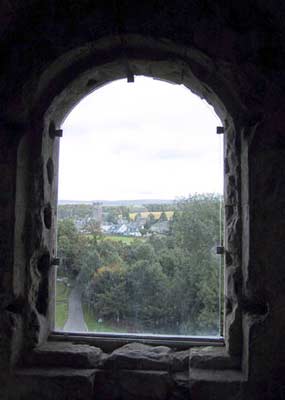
(231, 53)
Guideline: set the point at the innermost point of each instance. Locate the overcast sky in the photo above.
(142, 140)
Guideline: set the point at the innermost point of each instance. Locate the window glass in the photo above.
(140, 213)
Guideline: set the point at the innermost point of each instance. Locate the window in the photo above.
(139, 216)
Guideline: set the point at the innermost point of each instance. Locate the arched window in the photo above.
(139, 214)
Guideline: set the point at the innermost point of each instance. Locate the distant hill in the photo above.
(119, 202)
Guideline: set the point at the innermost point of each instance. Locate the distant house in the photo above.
(122, 229)
(125, 229)
(135, 234)
(140, 222)
(160, 227)
(106, 228)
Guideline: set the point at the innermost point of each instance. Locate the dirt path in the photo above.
(75, 321)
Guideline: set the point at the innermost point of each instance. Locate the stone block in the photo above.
(52, 384)
(215, 358)
(62, 354)
(140, 357)
(151, 385)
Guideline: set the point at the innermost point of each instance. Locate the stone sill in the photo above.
(213, 358)
(132, 356)
(66, 369)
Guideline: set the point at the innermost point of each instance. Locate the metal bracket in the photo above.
(53, 132)
(129, 72)
(55, 261)
(220, 250)
(130, 77)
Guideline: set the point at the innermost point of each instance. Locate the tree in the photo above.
(144, 251)
(150, 221)
(107, 294)
(163, 217)
(125, 211)
(93, 227)
(92, 262)
(195, 229)
(166, 284)
(147, 292)
(71, 249)
(138, 216)
(108, 251)
(196, 223)
(112, 215)
(170, 260)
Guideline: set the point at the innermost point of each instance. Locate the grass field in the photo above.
(61, 308)
(118, 238)
(94, 326)
(156, 214)
(124, 239)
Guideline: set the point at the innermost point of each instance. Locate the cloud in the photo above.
(170, 154)
(150, 139)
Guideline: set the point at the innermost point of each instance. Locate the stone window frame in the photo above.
(61, 87)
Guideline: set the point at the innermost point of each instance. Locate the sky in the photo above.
(143, 140)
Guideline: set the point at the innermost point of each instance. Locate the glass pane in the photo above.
(139, 216)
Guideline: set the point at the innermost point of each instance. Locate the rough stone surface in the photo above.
(156, 385)
(180, 360)
(211, 384)
(129, 385)
(51, 384)
(60, 354)
(140, 356)
(213, 358)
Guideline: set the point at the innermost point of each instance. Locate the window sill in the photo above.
(134, 367)
(131, 356)
(111, 342)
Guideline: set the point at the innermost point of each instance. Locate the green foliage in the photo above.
(92, 261)
(71, 249)
(144, 251)
(92, 227)
(159, 207)
(112, 214)
(163, 217)
(147, 293)
(107, 294)
(161, 284)
(95, 324)
(74, 211)
(150, 221)
(196, 222)
(123, 239)
(61, 314)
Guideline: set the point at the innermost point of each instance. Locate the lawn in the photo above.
(61, 307)
(117, 238)
(94, 326)
(124, 239)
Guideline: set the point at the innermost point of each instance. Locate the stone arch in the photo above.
(80, 72)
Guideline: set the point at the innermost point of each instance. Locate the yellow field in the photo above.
(156, 214)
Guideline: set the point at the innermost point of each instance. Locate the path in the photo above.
(75, 321)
